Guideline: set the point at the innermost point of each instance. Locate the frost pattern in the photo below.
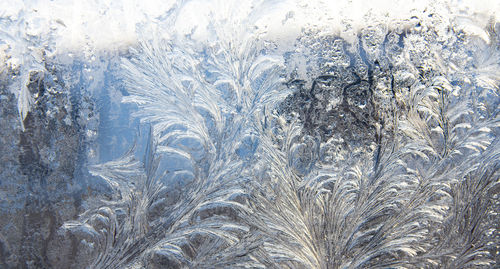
(381, 152)
(26, 45)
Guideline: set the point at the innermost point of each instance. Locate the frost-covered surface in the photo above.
(254, 134)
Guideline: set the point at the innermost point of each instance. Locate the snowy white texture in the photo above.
(112, 24)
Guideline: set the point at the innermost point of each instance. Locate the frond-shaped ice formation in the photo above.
(373, 146)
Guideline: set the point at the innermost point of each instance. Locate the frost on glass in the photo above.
(213, 144)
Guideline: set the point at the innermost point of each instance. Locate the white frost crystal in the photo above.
(249, 134)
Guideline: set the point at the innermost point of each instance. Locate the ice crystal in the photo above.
(372, 146)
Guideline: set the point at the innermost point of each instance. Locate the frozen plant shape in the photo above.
(185, 203)
(228, 182)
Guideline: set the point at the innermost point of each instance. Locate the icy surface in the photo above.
(249, 134)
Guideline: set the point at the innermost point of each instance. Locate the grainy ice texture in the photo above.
(249, 134)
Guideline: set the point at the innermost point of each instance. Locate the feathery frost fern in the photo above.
(229, 181)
